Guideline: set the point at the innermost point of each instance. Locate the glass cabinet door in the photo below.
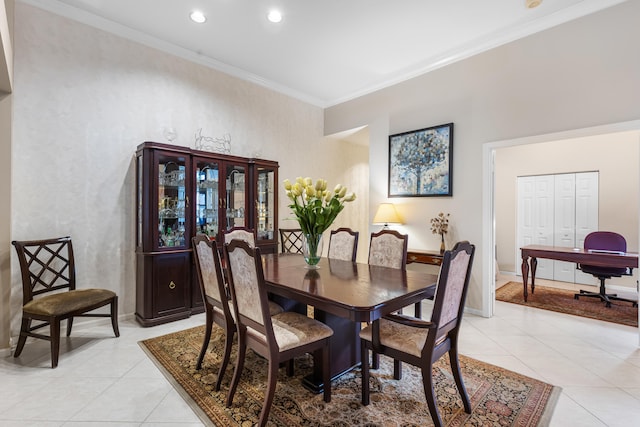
(265, 203)
(235, 201)
(172, 202)
(208, 201)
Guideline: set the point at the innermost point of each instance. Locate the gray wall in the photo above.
(6, 101)
(86, 98)
(577, 75)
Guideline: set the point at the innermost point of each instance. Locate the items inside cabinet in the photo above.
(171, 204)
(207, 199)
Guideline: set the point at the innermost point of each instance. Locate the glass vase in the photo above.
(442, 248)
(312, 249)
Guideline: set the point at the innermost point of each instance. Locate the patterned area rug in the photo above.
(562, 301)
(498, 397)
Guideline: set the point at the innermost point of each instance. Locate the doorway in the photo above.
(490, 197)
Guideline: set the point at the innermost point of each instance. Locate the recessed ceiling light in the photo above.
(197, 16)
(274, 16)
(532, 3)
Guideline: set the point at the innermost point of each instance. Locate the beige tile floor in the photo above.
(107, 381)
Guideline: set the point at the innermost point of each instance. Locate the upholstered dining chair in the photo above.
(343, 244)
(241, 233)
(49, 293)
(216, 299)
(605, 241)
(422, 343)
(388, 248)
(291, 240)
(277, 338)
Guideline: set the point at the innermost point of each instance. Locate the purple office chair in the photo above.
(610, 241)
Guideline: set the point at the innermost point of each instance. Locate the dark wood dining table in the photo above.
(344, 294)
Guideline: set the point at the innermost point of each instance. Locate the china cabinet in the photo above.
(182, 192)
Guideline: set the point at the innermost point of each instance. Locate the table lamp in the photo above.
(386, 214)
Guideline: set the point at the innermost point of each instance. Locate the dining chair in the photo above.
(216, 299)
(49, 293)
(343, 244)
(241, 233)
(216, 302)
(388, 248)
(291, 240)
(277, 338)
(605, 241)
(421, 343)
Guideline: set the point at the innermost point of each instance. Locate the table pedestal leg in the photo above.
(344, 351)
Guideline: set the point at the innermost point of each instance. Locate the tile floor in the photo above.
(104, 381)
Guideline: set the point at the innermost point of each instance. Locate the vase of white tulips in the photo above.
(315, 209)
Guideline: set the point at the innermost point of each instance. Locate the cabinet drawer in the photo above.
(423, 258)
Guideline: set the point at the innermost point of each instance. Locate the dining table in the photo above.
(344, 295)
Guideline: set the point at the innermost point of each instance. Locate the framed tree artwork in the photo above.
(420, 162)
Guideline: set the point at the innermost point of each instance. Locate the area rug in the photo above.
(562, 301)
(498, 397)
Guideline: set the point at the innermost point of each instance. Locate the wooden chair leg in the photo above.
(290, 368)
(54, 327)
(430, 394)
(242, 350)
(457, 375)
(228, 343)
(69, 325)
(364, 355)
(375, 360)
(114, 316)
(397, 369)
(418, 310)
(207, 336)
(24, 329)
(270, 392)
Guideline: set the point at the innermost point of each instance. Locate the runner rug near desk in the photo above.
(562, 301)
(498, 397)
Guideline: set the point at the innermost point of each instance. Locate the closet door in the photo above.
(587, 188)
(564, 224)
(535, 218)
(544, 203)
(557, 210)
(525, 222)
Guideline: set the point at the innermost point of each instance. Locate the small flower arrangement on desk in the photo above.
(440, 225)
(315, 209)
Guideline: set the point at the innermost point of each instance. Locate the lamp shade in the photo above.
(386, 214)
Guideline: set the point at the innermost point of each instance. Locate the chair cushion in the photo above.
(398, 336)
(66, 302)
(294, 329)
(273, 309)
(604, 271)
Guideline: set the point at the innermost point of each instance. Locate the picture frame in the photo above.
(421, 162)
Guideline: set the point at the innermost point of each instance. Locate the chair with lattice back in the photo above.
(291, 240)
(49, 292)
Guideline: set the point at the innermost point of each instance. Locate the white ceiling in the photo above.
(324, 51)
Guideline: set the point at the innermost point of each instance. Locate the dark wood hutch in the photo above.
(182, 192)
